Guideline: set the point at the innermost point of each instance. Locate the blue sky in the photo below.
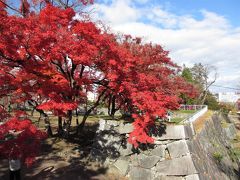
(226, 8)
(206, 31)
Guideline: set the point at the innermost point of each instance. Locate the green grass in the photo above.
(218, 156)
(185, 111)
(179, 115)
(235, 154)
(176, 120)
(95, 118)
(54, 120)
(224, 124)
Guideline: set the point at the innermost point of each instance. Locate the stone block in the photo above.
(159, 151)
(113, 123)
(122, 166)
(125, 128)
(175, 132)
(177, 167)
(230, 131)
(125, 151)
(137, 173)
(178, 148)
(147, 161)
(162, 142)
(192, 177)
(189, 130)
(102, 123)
(134, 160)
(161, 177)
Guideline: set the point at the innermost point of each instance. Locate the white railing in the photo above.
(191, 107)
(196, 115)
(201, 109)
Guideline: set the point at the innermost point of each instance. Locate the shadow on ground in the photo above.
(64, 159)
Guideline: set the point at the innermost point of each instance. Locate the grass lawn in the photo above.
(176, 120)
(92, 119)
(179, 115)
(185, 111)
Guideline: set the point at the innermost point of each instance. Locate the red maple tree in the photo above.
(146, 83)
(51, 60)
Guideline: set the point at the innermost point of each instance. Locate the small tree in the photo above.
(20, 139)
(212, 102)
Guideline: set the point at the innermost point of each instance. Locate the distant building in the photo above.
(228, 97)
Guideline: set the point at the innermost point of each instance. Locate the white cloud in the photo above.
(210, 40)
(165, 18)
(118, 12)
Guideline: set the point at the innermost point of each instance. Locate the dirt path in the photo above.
(63, 160)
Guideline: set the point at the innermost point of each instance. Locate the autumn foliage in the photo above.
(20, 139)
(53, 59)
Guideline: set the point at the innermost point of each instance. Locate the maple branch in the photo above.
(11, 74)
(67, 71)
(10, 7)
(18, 62)
(87, 113)
(100, 82)
(65, 5)
(29, 54)
(60, 68)
(74, 66)
(5, 57)
(81, 72)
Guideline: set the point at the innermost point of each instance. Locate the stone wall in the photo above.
(211, 151)
(176, 153)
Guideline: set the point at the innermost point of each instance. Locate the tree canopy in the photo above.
(51, 59)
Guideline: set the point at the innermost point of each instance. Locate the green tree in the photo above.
(187, 75)
(211, 101)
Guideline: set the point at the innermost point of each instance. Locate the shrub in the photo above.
(217, 156)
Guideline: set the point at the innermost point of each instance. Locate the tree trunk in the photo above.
(77, 121)
(113, 110)
(204, 97)
(81, 126)
(87, 113)
(70, 117)
(32, 112)
(112, 106)
(60, 126)
(48, 128)
(67, 124)
(47, 125)
(109, 105)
